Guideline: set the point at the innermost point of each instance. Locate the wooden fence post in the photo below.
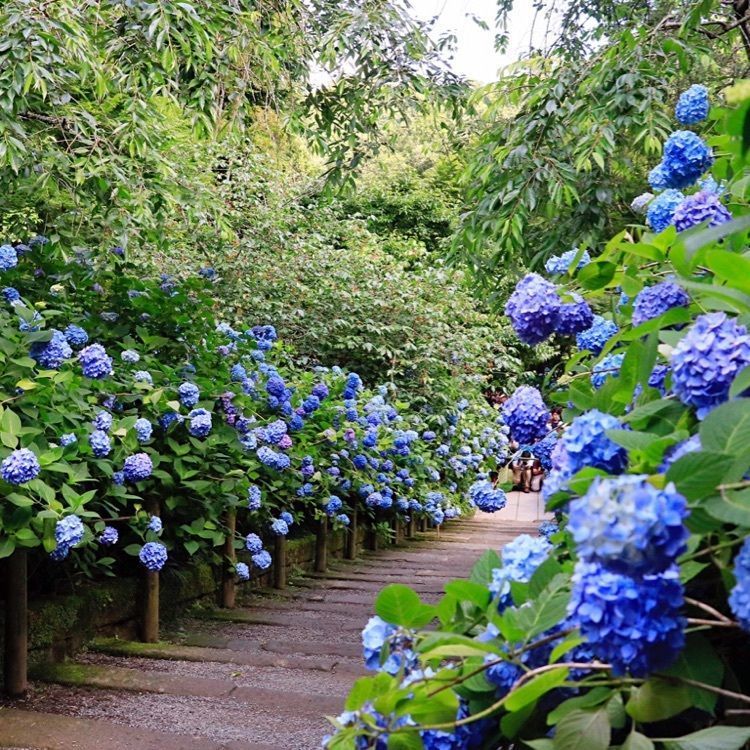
(228, 585)
(16, 624)
(350, 544)
(279, 562)
(321, 546)
(411, 529)
(150, 621)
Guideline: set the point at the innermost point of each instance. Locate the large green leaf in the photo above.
(698, 661)
(400, 605)
(714, 738)
(482, 570)
(535, 688)
(583, 730)
(733, 506)
(696, 475)
(658, 699)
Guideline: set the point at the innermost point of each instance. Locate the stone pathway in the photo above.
(262, 677)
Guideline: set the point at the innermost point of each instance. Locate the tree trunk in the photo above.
(229, 587)
(150, 622)
(16, 624)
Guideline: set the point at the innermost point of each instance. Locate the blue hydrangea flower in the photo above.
(374, 636)
(521, 558)
(76, 336)
(639, 204)
(100, 443)
(533, 309)
(143, 429)
(137, 467)
(69, 532)
(262, 560)
(653, 301)
(237, 373)
(103, 421)
(320, 391)
(242, 571)
(634, 624)
(199, 423)
(739, 597)
(559, 264)
(155, 525)
(20, 466)
(628, 525)
(167, 419)
(153, 555)
(51, 354)
(273, 459)
(658, 378)
(698, 208)
(502, 675)
(597, 335)
(660, 213)
(275, 431)
(343, 519)
(253, 497)
(130, 356)
(143, 376)
(253, 543)
(286, 517)
(586, 444)
(543, 450)
(279, 527)
(574, 317)
(692, 106)
(11, 295)
(707, 359)
(606, 368)
(547, 529)
(658, 178)
(486, 497)
(189, 394)
(118, 478)
(686, 157)
(68, 439)
(525, 414)
(8, 257)
(676, 452)
(109, 536)
(95, 363)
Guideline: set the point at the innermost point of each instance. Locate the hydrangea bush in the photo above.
(626, 622)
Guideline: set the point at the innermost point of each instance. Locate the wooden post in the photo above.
(396, 527)
(350, 545)
(321, 546)
(228, 585)
(16, 624)
(372, 537)
(411, 529)
(150, 621)
(423, 524)
(279, 562)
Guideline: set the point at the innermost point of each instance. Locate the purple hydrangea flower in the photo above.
(703, 206)
(20, 466)
(533, 309)
(525, 414)
(95, 363)
(653, 301)
(153, 555)
(559, 264)
(100, 443)
(109, 536)
(137, 467)
(103, 421)
(76, 336)
(707, 359)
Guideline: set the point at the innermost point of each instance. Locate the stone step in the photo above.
(278, 645)
(34, 730)
(121, 678)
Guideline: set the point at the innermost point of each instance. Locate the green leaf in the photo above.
(400, 605)
(698, 661)
(367, 689)
(10, 422)
(637, 741)
(588, 700)
(404, 741)
(658, 699)
(535, 688)
(469, 591)
(7, 547)
(482, 570)
(733, 506)
(632, 439)
(714, 738)
(436, 709)
(727, 428)
(583, 730)
(696, 475)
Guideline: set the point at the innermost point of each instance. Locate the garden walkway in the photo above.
(261, 677)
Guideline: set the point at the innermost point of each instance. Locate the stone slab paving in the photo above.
(261, 677)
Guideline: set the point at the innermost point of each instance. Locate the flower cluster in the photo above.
(521, 558)
(559, 264)
(533, 309)
(701, 207)
(20, 466)
(739, 598)
(69, 532)
(525, 414)
(153, 555)
(597, 335)
(486, 497)
(586, 443)
(693, 105)
(655, 300)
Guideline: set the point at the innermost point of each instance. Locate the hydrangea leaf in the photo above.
(469, 591)
(367, 689)
(730, 507)
(400, 605)
(590, 699)
(482, 570)
(404, 741)
(657, 699)
(714, 738)
(535, 688)
(637, 741)
(696, 474)
(583, 730)
(698, 661)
